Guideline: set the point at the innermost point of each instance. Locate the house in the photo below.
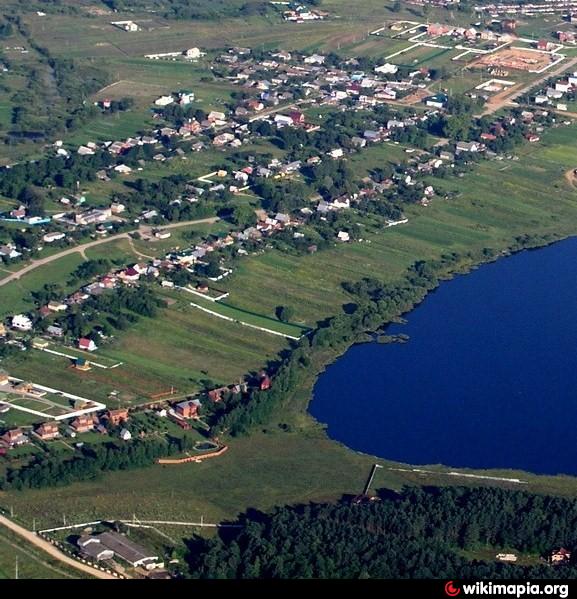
(21, 322)
(164, 101)
(39, 343)
(193, 53)
(82, 424)
(125, 434)
(467, 146)
(92, 548)
(9, 251)
(116, 417)
(56, 306)
(265, 381)
(563, 86)
(343, 236)
(2, 329)
(215, 116)
(14, 438)
(282, 120)
(217, 395)
(82, 364)
(117, 208)
(125, 549)
(130, 274)
(506, 557)
(47, 431)
(187, 409)
(4, 378)
(566, 37)
(560, 556)
(314, 59)
(55, 331)
(87, 344)
(336, 153)
(545, 45)
(387, 69)
(51, 237)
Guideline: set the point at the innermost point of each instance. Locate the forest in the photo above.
(418, 533)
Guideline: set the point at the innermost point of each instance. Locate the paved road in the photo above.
(51, 550)
(82, 248)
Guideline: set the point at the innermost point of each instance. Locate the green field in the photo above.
(30, 561)
(16, 294)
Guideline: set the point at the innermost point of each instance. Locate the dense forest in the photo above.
(420, 533)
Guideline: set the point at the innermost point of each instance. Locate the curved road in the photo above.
(81, 248)
(37, 541)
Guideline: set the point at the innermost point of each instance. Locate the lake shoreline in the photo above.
(370, 338)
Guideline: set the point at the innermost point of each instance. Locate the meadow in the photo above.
(31, 562)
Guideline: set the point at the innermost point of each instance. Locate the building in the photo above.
(51, 237)
(39, 343)
(116, 417)
(130, 26)
(82, 424)
(265, 382)
(56, 306)
(82, 364)
(121, 547)
(560, 556)
(193, 53)
(13, 438)
(125, 434)
(509, 25)
(21, 323)
(187, 409)
(87, 344)
(92, 548)
(47, 431)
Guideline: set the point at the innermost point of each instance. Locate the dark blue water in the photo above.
(487, 380)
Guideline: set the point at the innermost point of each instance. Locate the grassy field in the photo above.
(15, 296)
(251, 318)
(32, 563)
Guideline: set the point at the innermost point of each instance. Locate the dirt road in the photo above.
(82, 248)
(30, 537)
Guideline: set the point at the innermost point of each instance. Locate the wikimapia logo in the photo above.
(508, 590)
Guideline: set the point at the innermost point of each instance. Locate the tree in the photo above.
(284, 313)
(243, 215)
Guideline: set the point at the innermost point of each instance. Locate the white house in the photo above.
(387, 69)
(51, 237)
(87, 344)
(281, 120)
(343, 236)
(125, 434)
(164, 101)
(21, 322)
(193, 53)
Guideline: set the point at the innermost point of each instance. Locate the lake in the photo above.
(487, 380)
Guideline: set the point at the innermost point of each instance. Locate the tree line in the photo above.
(58, 470)
(418, 533)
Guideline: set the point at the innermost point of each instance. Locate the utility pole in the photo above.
(16, 569)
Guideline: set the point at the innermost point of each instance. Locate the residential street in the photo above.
(81, 248)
